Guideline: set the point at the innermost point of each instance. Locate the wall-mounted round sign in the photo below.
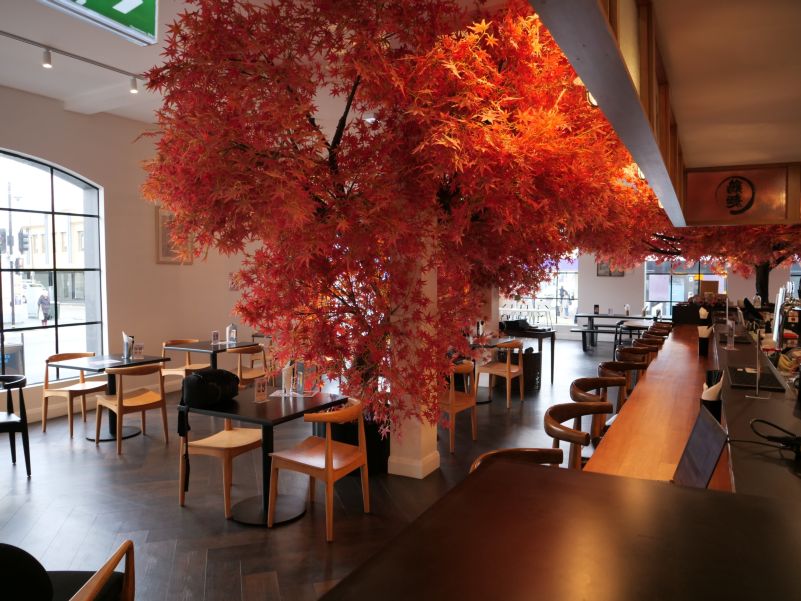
(737, 192)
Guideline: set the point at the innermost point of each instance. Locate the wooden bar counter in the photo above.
(648, 436)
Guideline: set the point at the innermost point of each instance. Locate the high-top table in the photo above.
(205, 346)
(267, 415)
(517, 531)
(98, 365)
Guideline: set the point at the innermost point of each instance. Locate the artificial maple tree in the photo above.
(461, 156)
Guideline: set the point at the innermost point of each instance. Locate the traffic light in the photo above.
(23, 241)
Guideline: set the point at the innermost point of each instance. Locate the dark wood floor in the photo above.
(83, 500)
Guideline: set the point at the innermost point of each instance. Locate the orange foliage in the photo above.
(471, 155)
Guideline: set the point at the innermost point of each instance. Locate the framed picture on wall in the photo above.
(166, 251)
(603, 271)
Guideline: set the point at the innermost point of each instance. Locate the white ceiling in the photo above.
(734, 68)
(83, 87)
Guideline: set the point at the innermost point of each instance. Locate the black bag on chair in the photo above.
(207, 387)
(201, 389)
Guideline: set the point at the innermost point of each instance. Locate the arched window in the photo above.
(50, 279)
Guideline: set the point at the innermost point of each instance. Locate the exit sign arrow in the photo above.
(126, 6)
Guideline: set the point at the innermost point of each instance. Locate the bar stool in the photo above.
(629, 370)
(653, 349)
(633, 353)
(653, 339)
(554, 420)
(582, 391)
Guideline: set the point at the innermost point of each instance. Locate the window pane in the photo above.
(76, 242)
(24, 184)
(24, 311)
(78, 296)
(79, 339)
(27, 238)
(27, 351)
(71, 195)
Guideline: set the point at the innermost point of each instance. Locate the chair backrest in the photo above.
(177, 341)
(627, 369)
(651, 348)
(522, 455)
(10, 382)
(634, 354)
(22, 575)
(465, 368)
(509, 347)
(352, 410)
(63, 357)
(136, 370)
(581, 388)
(554, 419)
(243, 351)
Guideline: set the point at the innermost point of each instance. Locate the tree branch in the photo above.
(343, 121)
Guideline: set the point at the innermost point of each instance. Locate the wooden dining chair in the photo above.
(521, 455)
(595, 390)
(70, 391)
(23, 577)
(258, 363)
(324, 459)
(452, 401)
(653, 339)
(139, 400)
(653, 349)
(225, 445)
(12, 422)
(188, 367)
(554, 419)
(505, 369)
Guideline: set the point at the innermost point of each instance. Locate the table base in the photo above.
(288, 509)
(127, 432)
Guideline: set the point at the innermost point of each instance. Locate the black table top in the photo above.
(612, 316)
(205, 346)
(516, 531)
(99, 363)
(275, 410)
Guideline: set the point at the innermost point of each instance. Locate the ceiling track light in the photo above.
(47, 59)
(134, 86)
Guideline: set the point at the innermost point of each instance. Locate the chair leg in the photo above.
(273, 494)
(181, 472)
(164, 421)
(329, 511)
(473, 422)
(227, 478)
(98, 419)
(144, 424)
(44, 414)
(312, 483)
(522, 385)
(365, 488)
(12, 440)
(69, 414)
(83, 407)
(508, 392)
(119, 433)
(26, 450)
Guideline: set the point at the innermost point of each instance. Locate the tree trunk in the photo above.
(762, 277)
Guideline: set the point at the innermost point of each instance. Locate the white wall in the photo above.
(740, 287)
(152, 301)
(609, 292)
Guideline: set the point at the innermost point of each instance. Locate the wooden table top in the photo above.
(517, 531)
(650, 433)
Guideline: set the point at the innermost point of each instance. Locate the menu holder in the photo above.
(138, 350)
(260, 386)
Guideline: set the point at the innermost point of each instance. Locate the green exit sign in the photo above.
(135, 20)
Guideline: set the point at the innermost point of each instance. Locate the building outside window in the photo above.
(669, 283)
(50, 283)
(556, 301)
